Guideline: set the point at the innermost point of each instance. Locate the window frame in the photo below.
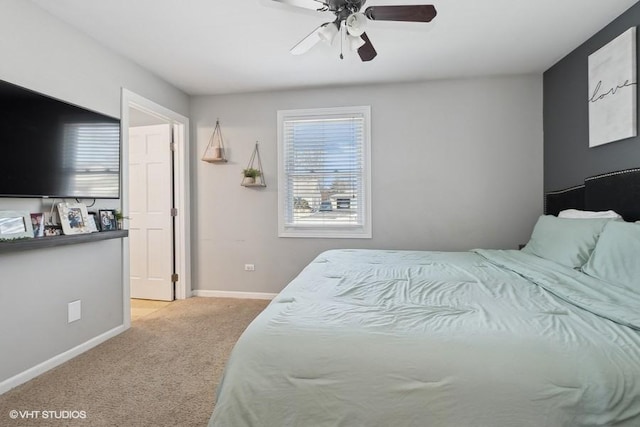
(362, 231)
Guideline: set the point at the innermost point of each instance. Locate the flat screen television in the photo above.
(49, 148)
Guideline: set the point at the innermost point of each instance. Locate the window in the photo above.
(324, 173)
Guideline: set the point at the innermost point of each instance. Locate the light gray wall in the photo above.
(456, 165)
(46, 55)
(35, 291)
(42, 53)
(568, 160)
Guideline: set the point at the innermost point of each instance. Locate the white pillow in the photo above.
(577, 214)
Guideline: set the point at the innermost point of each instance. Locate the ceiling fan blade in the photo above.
(410, 13)
(367, 52)
(308, 42)
(306, 4)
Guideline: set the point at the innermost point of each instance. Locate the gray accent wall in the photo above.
(40, 52)
(456, 164)
(567, 156)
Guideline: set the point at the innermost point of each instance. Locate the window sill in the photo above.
(325, 234)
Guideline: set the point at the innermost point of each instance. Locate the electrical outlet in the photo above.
(74, 311)
(249, 267)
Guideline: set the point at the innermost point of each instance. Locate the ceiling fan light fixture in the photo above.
(356, 24)
(328, 32)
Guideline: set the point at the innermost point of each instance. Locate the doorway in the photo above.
(155, 204)
(141, 308)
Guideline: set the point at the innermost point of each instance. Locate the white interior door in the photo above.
(150, 220)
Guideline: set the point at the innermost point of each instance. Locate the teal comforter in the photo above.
(407, 338)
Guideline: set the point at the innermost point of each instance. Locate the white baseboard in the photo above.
(231, 294)
(58, 360)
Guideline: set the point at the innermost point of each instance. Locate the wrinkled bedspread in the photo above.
(408, 338)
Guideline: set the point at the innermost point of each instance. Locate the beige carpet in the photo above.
(162, 372)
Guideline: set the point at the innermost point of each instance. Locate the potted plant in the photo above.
(250, 175)
(120, 218)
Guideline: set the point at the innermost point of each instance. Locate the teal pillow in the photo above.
(616, 258)
(565, 241)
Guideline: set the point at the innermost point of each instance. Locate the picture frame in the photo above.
(15, 225)
(51, 218)
(93, 222)
(107, 219)
(51, 230)
(37, 223)
(613, 87)
(73, 218)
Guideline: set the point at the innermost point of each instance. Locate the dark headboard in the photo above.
(618, 191)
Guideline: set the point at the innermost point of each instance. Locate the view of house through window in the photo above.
(324, 170)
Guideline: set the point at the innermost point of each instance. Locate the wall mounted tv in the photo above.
(49, 148)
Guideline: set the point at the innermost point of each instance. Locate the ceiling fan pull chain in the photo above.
(342, 36)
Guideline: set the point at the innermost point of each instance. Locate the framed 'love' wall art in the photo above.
(613, 90)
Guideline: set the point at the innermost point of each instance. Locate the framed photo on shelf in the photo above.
(15, 225)
(51, 218)
(37, 223)
(108, 220)
(52, 230)
(73, 218)
(93, 222)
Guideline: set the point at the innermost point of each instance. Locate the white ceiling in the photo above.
(227, 46)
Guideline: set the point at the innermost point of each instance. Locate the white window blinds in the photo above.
(323, 186)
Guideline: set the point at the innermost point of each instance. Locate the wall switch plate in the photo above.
(74, 311)
(249, 267)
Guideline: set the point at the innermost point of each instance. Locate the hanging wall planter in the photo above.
(253, 176)
(214, 152)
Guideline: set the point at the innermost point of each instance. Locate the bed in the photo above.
(480, 338)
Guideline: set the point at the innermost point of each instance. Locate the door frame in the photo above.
(181, 185)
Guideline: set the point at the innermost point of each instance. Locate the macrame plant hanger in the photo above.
(215, 149)
(258, 179)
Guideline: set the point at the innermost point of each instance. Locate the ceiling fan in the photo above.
(350, 22)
